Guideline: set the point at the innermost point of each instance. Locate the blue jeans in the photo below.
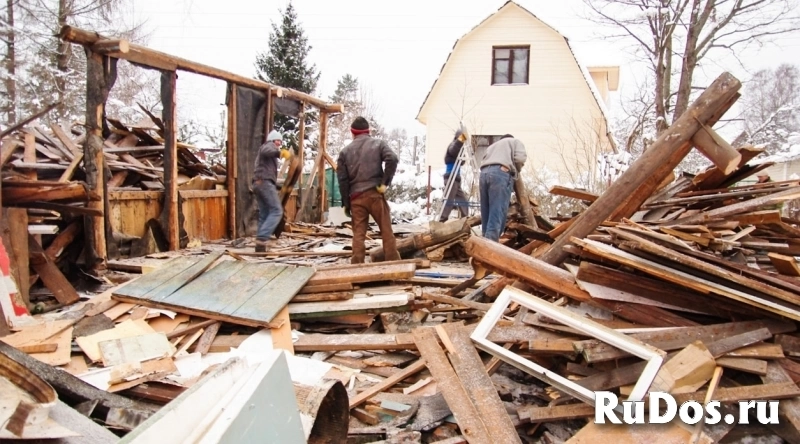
(270, 209)
(496, 186)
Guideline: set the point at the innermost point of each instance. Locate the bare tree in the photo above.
(673, 37)
(767, 93)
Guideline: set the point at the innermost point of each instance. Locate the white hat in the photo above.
(274, 135)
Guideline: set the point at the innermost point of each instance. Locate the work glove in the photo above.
(285, 153)
(381, 188)
(347, 212)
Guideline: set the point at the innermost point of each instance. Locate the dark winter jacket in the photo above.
(363, 165)
(267, 162)
(451, 155)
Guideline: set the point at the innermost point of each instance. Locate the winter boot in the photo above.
(261, 246)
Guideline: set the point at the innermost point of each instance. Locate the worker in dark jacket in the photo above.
(456, 197)
(365, 168)
(265, 187)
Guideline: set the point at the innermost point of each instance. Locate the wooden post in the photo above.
(169, 116)
(301, 137)
(269, 117)
(524, 203)
(323, 145)
(640, 180)
(101, 72)
(230, 161)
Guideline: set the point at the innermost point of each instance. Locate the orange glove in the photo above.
(381, 188)
(285, 153)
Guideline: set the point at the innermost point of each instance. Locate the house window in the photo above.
(510, 65)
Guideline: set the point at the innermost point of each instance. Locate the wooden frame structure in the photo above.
(102, 54)
(652, 355)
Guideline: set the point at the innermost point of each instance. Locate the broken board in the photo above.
(239, 292)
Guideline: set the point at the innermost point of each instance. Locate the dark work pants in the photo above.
(456, 198)
(372, 203)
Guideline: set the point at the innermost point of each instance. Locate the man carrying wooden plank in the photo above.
(365, 168)
(265, 181)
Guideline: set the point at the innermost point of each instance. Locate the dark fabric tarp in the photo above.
(251, 108)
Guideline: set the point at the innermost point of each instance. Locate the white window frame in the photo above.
(652, 355)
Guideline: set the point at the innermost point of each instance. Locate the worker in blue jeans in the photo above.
(265, 187)
(501, 164)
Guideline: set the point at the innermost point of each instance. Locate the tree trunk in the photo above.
(62, 58)
(11, 66)
(689, 61)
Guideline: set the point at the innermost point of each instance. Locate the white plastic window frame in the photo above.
(652, 355)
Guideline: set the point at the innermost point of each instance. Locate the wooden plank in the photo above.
(574, 193)
(367, 274)
(63, 240)
(62, 354)
(52, 277)
(268, 301)
(685, 372)
(7, 149)
(465, 412)
(685, 279)
(210, 333)
(790, 344)
(337, 307)
(182, 351)
(189, 329)
(689, 261)
(673, 339)
(143, 284)
(344, 286)
(785, 265)
(151, 371)
(282, 336)
(66, 176)
(722, 394)
(90, 344)
(186, 276)
(731, 343)
(411, 370)
(324, 342)
(13, 230)
(753, 366)
(758, 351)
(320, 297)
(789, 413)
(134, 349)
(476, 382)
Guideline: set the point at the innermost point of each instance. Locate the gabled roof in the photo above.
(590, 83)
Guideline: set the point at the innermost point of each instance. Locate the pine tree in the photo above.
(286, 63)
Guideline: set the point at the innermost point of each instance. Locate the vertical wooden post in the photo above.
(230, 161)
(269, 118)
(323, 146)
(301, 137)
(101, 72)
(169, 116)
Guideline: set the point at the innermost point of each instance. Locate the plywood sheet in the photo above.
(127, 329)
(63, 353)
(135, 349)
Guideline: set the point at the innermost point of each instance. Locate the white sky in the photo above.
(395, 48)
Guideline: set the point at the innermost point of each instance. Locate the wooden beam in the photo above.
(558, 190)
(63, 240)
(301, 152)
(785, 265)
(50, 274)
(323, 146)
(169, 115)
(230, 161)
(716, 149)
(411, 370)
(101, 72)
(639, 181)
(159, 60)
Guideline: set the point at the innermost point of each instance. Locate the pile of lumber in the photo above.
(133, 154)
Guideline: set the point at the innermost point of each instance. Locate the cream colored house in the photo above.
(515, 74)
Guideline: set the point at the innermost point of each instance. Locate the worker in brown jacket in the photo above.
(365, 169)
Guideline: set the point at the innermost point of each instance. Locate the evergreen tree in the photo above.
(357, 101)
(286, 64)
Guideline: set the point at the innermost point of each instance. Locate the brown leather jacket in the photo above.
(364, 164)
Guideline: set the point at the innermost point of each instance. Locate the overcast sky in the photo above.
(395, 48)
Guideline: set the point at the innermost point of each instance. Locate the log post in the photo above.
(440, 233)
(524, 202)
(301, 154)
(323, 146)
(640, 180)
(230, 160)
(169, 116)
(101, 72)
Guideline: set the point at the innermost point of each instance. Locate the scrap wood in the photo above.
(363, 274)
(411, 370)
(465, 411)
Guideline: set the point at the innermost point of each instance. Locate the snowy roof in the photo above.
(793, 153)
(592, 87)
